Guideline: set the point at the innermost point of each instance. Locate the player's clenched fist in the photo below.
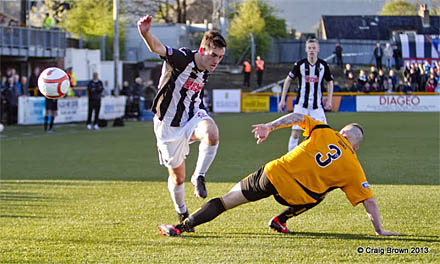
(144, 24)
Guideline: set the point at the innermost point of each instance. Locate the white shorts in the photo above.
(317, 114)
(173, 142)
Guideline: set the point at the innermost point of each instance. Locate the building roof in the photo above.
(375, 27)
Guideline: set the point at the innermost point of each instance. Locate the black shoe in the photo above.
(182, 218)
(200, 187)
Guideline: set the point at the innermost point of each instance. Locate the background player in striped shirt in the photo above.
(300, 179)
(178, 108)
(311, 72)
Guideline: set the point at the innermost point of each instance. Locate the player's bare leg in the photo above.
(294, 138)
(207, 133)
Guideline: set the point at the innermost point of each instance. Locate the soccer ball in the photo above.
(1, 127)
(53, 83)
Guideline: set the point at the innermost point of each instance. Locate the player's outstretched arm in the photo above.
(286, 86)
(153, 43)
(261, 131)
(374, 214)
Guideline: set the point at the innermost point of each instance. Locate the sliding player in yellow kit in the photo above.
(300, 179)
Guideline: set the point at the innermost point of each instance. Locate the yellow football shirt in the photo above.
(321, 163)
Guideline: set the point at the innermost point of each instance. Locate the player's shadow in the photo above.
(320, 235)
(403, 237)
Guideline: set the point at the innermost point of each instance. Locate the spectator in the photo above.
(392, 75)
(374, 71)
(338, 54)
(366, 88)
(259, 69)
(33, 81)
(413, 79)
(381, 79)
(48, 22)
(126, 90)
(350, 82)
(437, 88)
(407, 69)
(95, 89)
(406, 87)
(378, 53)
(150, 93)
(397, 55)
(430, 84)
(11, 96)
(362, 80)
(388, 53)
(348, 70)
(138, 90)
(388, 85)
(373, 84)
(24, 86)
(247, 73)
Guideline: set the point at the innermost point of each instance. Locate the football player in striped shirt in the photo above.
(180, 117)
(311, 73)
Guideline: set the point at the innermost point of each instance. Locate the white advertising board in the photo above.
(226, 100)
(31, 110)
(398, 103)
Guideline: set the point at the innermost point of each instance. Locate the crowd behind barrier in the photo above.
(414, 77)
(411, 78)
(13, 87)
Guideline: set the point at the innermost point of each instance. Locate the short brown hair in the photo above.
(213, 39)
(312, 40)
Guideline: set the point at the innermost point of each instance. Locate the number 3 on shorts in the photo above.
(334, 154)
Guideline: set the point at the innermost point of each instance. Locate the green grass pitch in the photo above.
(79, 196)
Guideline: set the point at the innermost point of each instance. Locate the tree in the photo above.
(94, 19)
(275, 27)
(256, 17)
(399, 8)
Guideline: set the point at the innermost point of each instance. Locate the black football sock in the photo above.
(45, 122)
(52, 118)
(295, 210)
(206, 213)
(286, 214)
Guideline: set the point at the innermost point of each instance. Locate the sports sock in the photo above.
(293, 142)
(206, 213)
(45, 122)
(52, 119)
(286, 214)
(177, 193)
(206, 157)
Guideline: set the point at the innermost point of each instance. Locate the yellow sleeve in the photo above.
(308, 124)
(358, 189)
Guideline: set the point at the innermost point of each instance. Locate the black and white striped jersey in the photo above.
(180, 87)
(310, 79)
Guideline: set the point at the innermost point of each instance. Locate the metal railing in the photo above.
(32, 42)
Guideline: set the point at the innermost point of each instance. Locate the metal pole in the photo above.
(116, 43)
(252, 49)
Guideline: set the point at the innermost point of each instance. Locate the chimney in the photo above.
(424, 14)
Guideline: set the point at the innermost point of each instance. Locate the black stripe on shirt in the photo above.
(163, 98)
(307, 86)
(315, 97)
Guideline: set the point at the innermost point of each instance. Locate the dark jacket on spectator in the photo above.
(95, 89)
